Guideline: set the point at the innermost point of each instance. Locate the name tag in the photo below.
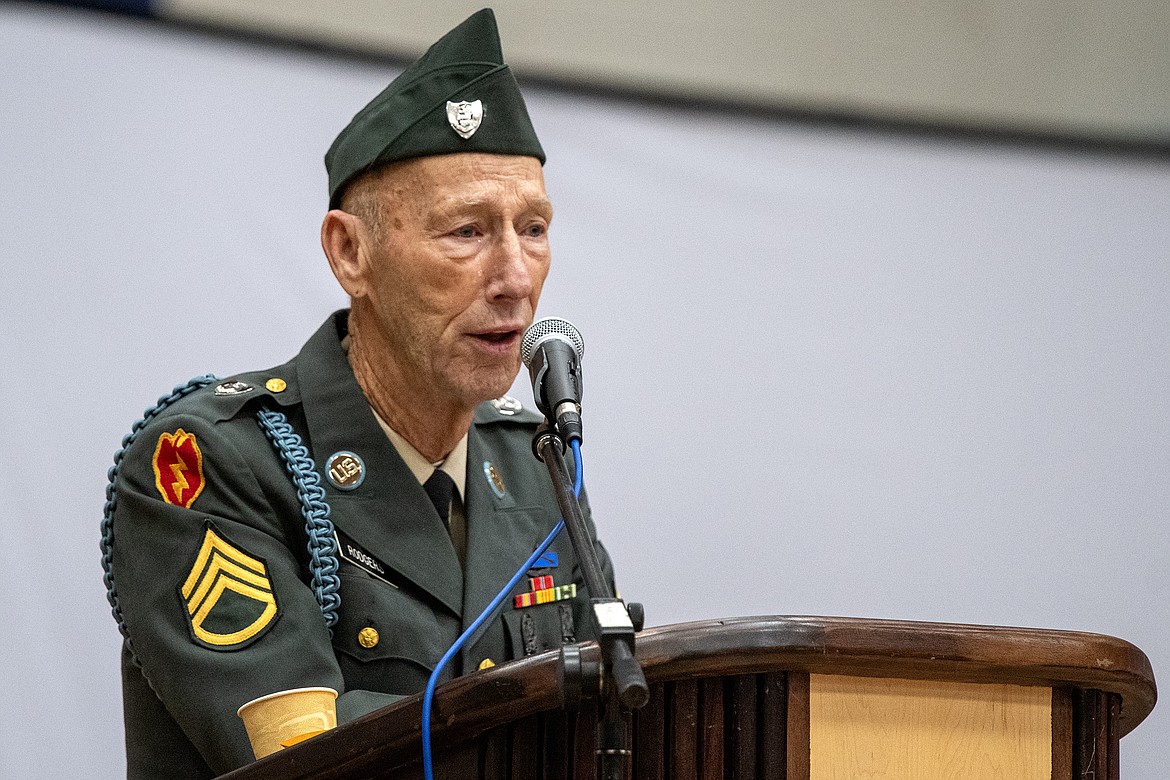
(353, 552)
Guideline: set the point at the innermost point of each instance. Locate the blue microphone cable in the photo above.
(488, 612)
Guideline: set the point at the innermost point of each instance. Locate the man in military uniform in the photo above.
(338, 520)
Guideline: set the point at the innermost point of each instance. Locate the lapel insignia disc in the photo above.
(233, 388)
(276, 385)
(465, 117)
(345, 470)
(227, 594)
(507, 405)
(178, 468)
(494, 479)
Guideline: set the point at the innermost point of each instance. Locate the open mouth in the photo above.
(498, 338)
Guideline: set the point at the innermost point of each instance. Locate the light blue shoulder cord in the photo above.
(323, 563)
(107, 543)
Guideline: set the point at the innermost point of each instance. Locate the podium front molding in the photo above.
(778, 698)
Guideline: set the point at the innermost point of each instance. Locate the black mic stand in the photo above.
(619, 680)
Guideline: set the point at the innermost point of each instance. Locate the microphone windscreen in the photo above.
(550, 328)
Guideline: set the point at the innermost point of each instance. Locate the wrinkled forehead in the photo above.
(466, 180)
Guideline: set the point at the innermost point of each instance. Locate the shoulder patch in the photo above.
(178, 468)
(227, 596)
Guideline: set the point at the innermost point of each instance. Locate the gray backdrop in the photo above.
(827, 372)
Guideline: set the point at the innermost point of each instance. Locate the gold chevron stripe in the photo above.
(213, 543)
(219, 567)
(226, 583)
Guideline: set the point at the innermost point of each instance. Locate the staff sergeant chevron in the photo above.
(227, 594)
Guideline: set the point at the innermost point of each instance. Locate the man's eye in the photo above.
(536, 230)
(467, 231)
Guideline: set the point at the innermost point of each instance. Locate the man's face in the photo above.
(457, 275)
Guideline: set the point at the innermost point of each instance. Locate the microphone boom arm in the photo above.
(622, 680)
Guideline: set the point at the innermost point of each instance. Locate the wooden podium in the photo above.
(789, 698)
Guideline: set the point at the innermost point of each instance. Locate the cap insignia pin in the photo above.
(233, 388)
(494, 479)
(345, 470)
(465, 117)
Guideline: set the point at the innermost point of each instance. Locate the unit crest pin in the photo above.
(233, 388)
(465, 117)
(507, 405)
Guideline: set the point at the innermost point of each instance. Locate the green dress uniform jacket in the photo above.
(214, 590)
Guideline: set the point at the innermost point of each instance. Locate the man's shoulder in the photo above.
(217, 399)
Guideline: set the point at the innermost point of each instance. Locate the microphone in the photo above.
(552, 350)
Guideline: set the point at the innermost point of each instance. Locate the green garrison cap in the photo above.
(459, 97)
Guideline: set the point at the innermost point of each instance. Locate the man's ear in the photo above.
(344, 237)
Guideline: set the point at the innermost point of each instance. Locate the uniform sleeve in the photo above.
(206, 572)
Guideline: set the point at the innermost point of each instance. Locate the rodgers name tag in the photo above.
(353, 552)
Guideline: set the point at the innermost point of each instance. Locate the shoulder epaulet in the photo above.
(226, 398)
(505, 409)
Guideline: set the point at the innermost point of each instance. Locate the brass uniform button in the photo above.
(368, 637)
(486, 663)
(276, 385)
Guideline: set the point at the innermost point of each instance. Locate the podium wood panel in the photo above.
(510, 720)
(928, 730)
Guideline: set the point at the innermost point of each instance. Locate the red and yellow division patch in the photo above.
(178, 468)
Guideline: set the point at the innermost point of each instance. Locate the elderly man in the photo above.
(338, 520)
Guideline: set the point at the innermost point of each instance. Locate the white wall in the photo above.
(857, 375)
(1098, 67)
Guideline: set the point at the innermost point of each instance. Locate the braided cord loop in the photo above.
(107, 527)
(323, 563)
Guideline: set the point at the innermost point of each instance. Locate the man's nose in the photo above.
(513, 269)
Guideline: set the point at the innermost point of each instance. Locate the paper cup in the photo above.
(287, 717)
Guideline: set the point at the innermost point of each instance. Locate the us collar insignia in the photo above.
(494, 479)
(507, 405)
(345, 470)
(178, 468)
(227, 596)
(465, 117)
(233, 388)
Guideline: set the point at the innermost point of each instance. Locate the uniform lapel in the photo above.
(389, 514)
(502, 531)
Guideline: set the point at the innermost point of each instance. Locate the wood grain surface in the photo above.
(888, 729)
(740, 655)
